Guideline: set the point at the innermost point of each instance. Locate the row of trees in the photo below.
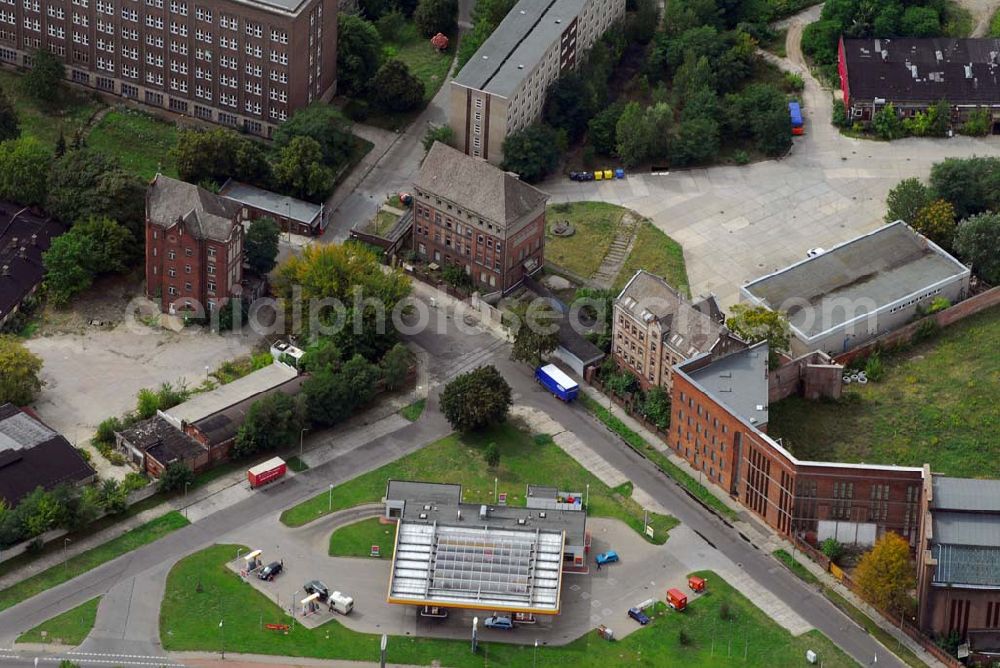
(934, 122)
(959, 210)
(19, 372)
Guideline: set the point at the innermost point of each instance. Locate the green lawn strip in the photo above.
(414, 410)
(850, 610)
(936, 404)
(356, 540)
(637, 443)
(69, 628)
(458, 458)
(296, 464)
(189, 621)
(658, 254)
(994, 30)
(43, 122)
(594, 226)
(139, 141)
(92, 558)
(796, 567)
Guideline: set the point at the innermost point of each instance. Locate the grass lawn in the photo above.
(139, 141)
(73, 111)
(936, 404)
(595, 224)
(356, 540)
(414, 410)
(69, 628)
(750, 638)
(658, 254)
(458, 458)
(794, 566)
(92, 558)
(994, 29)
(296, 464)
(637, 443)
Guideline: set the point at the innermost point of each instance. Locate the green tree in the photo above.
(10, 128)
(476, 399)
(602, 128)
(85, 184)
(359, 53)
(390, 24)
(441, 133)
(434, 16)
(533, 152)
(976, 241)
(832, 548)
(569, 105)
(537, 333)
(175, 476)
(261, 245)
(19, 368)
(113, 497)
(884, 573)
(659, 118)
(271, 423)
(697, 141)
(759, 323)
(250, 163)
(633, 136)
(920, 22)
(37, 512)
(332, 396)
(44, 80)
(24, 169)
(656, 407)
(325, 124)
(641, 25)
(300, 172)
(972, 185)
(492, 455)
(216, 155)
(936, 221)
(760, 112)
(396, 365)
(395, 88)
(906, 200)
(321, 356)
(978, 123)
(89, 248)
(887, 124)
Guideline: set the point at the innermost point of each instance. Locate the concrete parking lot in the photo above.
(588, 600)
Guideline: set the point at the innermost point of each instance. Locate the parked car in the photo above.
(576, 176)
(608, 557)
(317, 587)
(269, 571)
(586, 176)
(813, 252)
(638, 615)
(499, 622)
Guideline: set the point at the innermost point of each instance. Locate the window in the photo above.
(211, 288)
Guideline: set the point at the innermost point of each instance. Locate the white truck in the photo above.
(341, 603)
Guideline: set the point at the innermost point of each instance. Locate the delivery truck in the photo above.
(557, 382)
(795, 112)
(676, 599)
(266, 472)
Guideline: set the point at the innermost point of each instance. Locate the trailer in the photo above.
(676, 599)
(557, 382)
(266, 472)
(795, 112)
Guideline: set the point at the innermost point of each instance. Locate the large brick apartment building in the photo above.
(470, 214)
(655, 327)
(719, 425)
(243, 63)
(194, 246)
(502, 87)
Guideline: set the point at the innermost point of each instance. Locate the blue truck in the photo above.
(557, 382)
(795, 112)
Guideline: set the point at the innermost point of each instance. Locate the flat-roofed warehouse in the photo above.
(502, 87)
(861, 289)
(483, 556)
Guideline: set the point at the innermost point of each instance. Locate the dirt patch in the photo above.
(106, 302)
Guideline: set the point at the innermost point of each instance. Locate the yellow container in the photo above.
(608, 175)
(598, 175)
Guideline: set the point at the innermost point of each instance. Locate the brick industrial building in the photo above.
(914, 73)
(194, 247)
(247, 64)
(655, 327)
(470, 214)
(502, 87)
(718, 424)
(24, 237)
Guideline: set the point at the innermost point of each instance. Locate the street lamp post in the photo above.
(330, 509)
(186, 485)
(301, 434)
(222, 636)
(385, 641)
(534, 658)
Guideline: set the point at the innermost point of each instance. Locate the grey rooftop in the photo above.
(738, 381)
(280, 205)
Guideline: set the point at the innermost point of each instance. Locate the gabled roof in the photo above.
(23, 239)
(689, 329)
(477, 185)
(281, 206)
(204, 214)
(961, 71)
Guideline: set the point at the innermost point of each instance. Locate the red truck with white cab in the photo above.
(266, 472)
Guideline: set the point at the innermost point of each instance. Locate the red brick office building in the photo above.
(247, 64)
(194, 247)
(719, 425)
(468, 213)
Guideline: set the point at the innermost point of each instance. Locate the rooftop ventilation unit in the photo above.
(521, 520)
(427, 507)
(968, 71)
(423, 516)
(542, 514)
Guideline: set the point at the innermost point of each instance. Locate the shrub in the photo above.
(938, 304)
(978, 123)
(134, 481)
(175, 477)
(831, 547)
(874, 370)
(925, 330)
(794, 82)
(725, 611)
(106, 430)
(840, 119)
(741, 157)
(492, 455)
(684, 638)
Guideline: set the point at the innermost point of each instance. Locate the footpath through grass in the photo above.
(458, 458)
(594, 226)
(70, 113)
(937, 404)
(860, 618)
(658, 254)
(356, 540)
(189, 621)
(69, 628)
(639, 444)
(92, 558)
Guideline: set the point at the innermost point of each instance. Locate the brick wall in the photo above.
(812, 375)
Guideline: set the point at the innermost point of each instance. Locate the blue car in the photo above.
(608, 557)
(499, 622)
(638, 615)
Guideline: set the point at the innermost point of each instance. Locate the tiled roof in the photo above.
(23, 239)
(205, 214)
(476, 185)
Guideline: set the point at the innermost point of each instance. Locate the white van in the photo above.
(341, 603)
